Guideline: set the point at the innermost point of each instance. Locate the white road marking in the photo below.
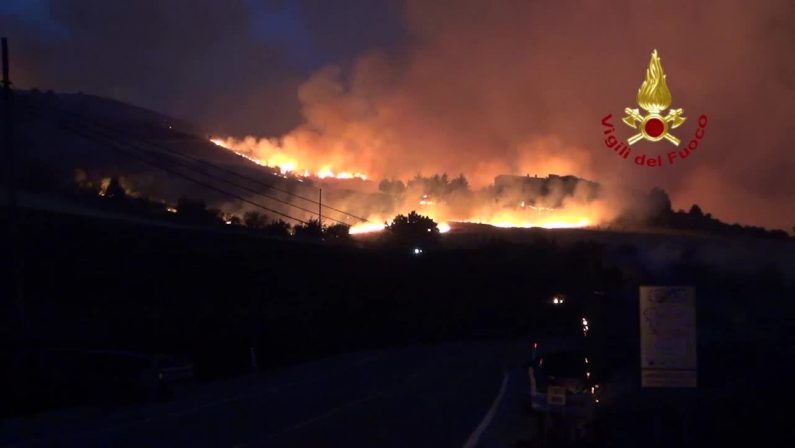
(474, 438)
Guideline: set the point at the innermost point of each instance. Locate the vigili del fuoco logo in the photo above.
(654, 98)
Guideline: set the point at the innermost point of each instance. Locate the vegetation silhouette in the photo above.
(312, 229)
(412, 229)
(338, 232)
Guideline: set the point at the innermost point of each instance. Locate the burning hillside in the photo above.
(361, 124)
(269, 153)
(510, 201)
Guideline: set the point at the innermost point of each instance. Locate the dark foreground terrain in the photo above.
(213, 296)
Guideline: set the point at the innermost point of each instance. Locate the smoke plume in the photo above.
(520, 87)
(487, 88)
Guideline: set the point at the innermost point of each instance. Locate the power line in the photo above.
(7, 153)
(215, 166)
(195, 170)
(115, 147)
(204, 173)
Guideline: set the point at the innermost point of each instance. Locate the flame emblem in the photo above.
(654, 97)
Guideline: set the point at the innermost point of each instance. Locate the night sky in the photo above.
(469, 86)
(233, 65)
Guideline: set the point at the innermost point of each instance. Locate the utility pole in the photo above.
(10, 186)
(10, 183)
(320, 208)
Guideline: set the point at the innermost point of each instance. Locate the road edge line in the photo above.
(474, 438)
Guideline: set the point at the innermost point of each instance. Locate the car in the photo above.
(561, 382)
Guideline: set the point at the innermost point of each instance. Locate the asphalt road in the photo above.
(450, 395)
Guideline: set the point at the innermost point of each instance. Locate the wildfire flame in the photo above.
(366, 227)
(287, 164)
(557, 219)
(653, 94)
(567, 222)
(525, 215)
(371, 227)
(562, 222)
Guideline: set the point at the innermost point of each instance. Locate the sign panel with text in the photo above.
(668, 336)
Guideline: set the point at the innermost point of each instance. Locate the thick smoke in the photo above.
(509, 87)
(520, 88)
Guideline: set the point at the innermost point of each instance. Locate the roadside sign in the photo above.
(556, 396)
(667, 336)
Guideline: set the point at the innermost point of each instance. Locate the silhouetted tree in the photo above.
(255, 220)
(413, 228)
(439, 185)
(394, 186)
(659, 203)
(460, 183)
(195, 211)
(278, 228)
(655, 211)
(115, 190)
(695, 211)
(338, 231)
(310, 229)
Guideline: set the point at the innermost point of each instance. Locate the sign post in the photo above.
(668, 336)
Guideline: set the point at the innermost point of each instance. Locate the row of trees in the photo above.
(312, 228)
(435, 186)
(411, 228)
(196, 211)
(655, 211)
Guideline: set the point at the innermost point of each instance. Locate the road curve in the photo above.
(448, 395)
